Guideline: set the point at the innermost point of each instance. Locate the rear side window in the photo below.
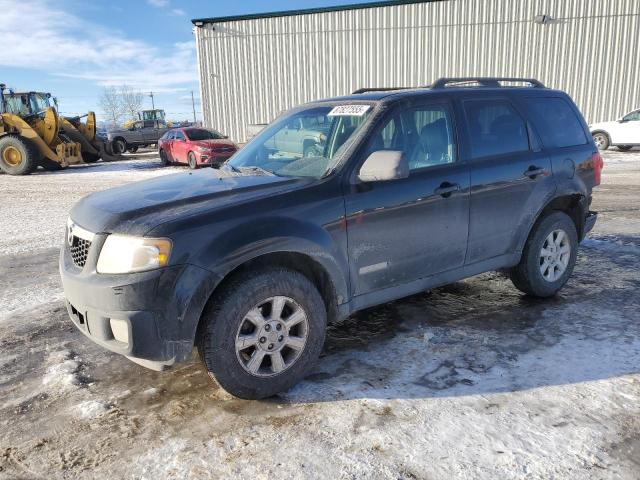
(495, 128)
(179, 135)
(557, 122)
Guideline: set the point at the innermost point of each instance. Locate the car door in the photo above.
(134, 135)
(151, 131)
(179, 147)
(628, 129)
(167, 144)
(411, 228)
(510, 176)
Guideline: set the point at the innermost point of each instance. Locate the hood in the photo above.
(116, 130)
(603, 125)
(136, 208)
(214, 143)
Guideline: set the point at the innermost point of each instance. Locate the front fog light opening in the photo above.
(120, 330)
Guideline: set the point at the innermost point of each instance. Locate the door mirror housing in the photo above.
(383, 166)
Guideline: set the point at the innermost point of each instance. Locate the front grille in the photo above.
(79, 251)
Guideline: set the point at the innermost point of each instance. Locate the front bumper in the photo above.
(589, 222)
(149, 317)
(212, 159)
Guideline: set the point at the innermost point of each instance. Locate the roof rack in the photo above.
(491, 82)
(384, 89)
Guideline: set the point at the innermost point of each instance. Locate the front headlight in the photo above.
(123, 254)
(203, 149)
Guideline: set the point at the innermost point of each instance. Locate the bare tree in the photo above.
(131, 101)
(111, 105)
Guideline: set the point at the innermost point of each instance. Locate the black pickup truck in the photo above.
(407, 190)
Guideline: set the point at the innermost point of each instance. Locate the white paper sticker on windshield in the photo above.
(349, 111)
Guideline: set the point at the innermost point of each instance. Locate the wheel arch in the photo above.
(571, 203)
(312, 268)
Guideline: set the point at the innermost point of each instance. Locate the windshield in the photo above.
(153, 115)
(304, 144)
(39, 102)
(24, 104)
(196, 134)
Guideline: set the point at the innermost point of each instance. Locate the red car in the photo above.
(195, 146)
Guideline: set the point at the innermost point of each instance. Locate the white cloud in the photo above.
(158, 3)
(62, 44)
(178, 12)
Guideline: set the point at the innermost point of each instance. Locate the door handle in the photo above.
(446, 189)
(533, 172)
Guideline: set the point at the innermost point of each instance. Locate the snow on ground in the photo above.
(472, 380)
(40, 202)
(34, 212)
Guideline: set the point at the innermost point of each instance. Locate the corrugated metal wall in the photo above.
(251, 70)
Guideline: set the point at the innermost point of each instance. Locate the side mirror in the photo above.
(384, 165)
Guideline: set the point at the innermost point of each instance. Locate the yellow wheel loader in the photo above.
(150, 118)
(32, 134)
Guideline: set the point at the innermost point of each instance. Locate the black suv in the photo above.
(407, 190)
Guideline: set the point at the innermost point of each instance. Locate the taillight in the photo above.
(598, 165)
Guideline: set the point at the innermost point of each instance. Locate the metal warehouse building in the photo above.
(253, 67)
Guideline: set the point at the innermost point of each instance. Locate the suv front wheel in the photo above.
(263, 332)
(548, 257)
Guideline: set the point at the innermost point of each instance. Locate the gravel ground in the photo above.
(472, 380)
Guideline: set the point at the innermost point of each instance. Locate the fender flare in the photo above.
(524, 234)
(250, 240)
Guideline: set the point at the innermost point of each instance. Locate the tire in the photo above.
(119, 146)
(527, 276)
(625, 148)
(601, 139)
(163, 158)
(18, 155)
(50, 165)
(193, 164)
(90, 157)
(226, 318)
(133, 149)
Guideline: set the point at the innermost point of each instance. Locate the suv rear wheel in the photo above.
(548, 258)
(263, 332)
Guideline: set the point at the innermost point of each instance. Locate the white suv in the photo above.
(623, 133)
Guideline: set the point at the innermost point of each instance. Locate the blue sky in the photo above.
(73, 48)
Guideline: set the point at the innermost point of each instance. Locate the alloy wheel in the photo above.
(272, 336)
(555, 255)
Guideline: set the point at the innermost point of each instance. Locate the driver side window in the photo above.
(424, 135)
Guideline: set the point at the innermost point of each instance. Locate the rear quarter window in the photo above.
(556, 121)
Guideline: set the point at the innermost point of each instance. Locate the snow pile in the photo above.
(90, 409)
(62, 373)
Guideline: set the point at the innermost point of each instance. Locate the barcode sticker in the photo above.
(349, 111)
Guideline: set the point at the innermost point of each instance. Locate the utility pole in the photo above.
(153, 107)
(193, 104)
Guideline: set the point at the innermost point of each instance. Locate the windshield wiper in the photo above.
(233, 169)
(253, 168)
